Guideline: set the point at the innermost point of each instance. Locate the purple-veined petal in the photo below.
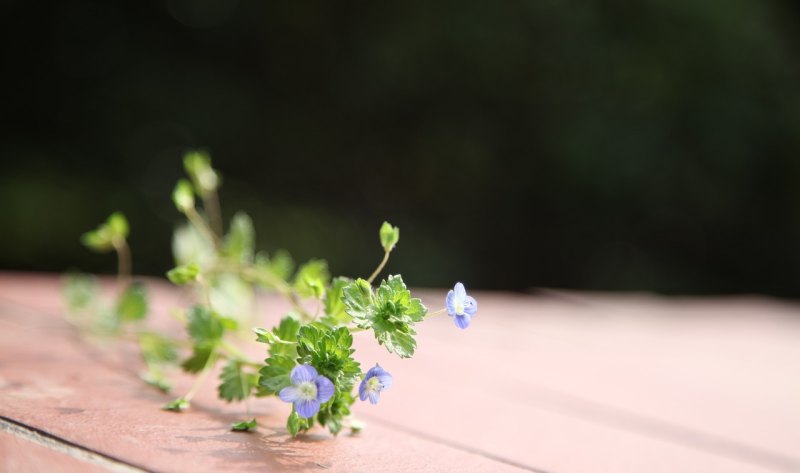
(325, 389)
(306, 408)
(470, 306)
(460, 291)
(450, 302)
(302, 373)
(386, 380)
(373, 371)
(374, 396)
(462, 321)
(289, 394)
(362, 390)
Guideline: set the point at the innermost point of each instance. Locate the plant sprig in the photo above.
(309, 356)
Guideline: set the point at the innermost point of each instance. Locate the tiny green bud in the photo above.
(244, 426)
(105, 237)
(185, 274)
(178, 405)
(198, 166)
(389, 236)
(183, 195)
(118, 225)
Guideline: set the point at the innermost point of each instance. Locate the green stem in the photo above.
(432, 314)
(212, 359)
(379, 268)
(202, 226)
(123, 263)
(212, 208)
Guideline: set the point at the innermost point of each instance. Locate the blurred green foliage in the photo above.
(592, 144)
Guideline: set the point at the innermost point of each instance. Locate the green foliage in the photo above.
(184, 274)
(236, 383)
(282, 338)
(156, 348)
(312, 278)
(244, 426)
(205, 326)
(80, 291)
(390, 312)
(132, 304)
(335, 313)
(296, 424)
(108, 235)
(201, 356)
(198, 166)
(329, 351)
(178, 405)
(274, 376)
(183, 196)
(389, 236)
(240, 241)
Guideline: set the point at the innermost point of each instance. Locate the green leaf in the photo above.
(244, 426)
(80, 291)
(184, 274)
(157, 348)
(155, 377)
(205, 326)
(132, 304)
(118, 225)
(199, 359)
(275, 375)
(283, 337)
(312, 278)
(390, 312)
(334, 304)
(241, 238)
(183, 196)
(329, 351)
(389, 236)
(178, 405)
(281, 264)
(296, 424)
(235, 383)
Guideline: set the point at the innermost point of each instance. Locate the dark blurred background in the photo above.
(605, 145)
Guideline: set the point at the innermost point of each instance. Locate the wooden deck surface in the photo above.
(558, 382)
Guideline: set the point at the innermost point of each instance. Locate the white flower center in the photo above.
(459, 306)
(308, 390)
(374, 384)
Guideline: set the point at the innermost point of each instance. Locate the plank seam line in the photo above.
(48, 440)
(451, 444)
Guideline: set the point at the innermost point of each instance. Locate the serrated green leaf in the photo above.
(241, 238)
(334, 304)
(184, 274)
(296, 424)
(389, 236)
(205, 326)
(275, 375)
(312, 278)
(329, 351)
(390, 312)
(199, 359)
(178, 405)
(236, 384)
(244, 426)
(132, 304)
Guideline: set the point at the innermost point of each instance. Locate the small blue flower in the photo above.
(308, 391)
(460, 306)
(376, 380)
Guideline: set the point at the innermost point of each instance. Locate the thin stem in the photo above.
(431, 314)
(379, 268)
(212, 208)
(212, 359)
(201, 226)
(123, 263)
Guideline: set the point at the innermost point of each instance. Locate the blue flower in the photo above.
(308, 391)
(460, 306)
(376, 380)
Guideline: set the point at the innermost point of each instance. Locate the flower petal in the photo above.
(450, 302)
(462, 321)
(386, 380)
(362, 390)
(460, 291)
(289, 394)
(306, 408)
(374, 396)
(325, 389)
(302, 373)
(470, 306)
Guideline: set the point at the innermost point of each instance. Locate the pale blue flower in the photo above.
(308, 391)
(460, 306)
(376, 380)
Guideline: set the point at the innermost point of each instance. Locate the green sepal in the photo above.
(389, 236)
(178, 405)
(235, 383)
(244, 426)
(184, 274)
(132, 304)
